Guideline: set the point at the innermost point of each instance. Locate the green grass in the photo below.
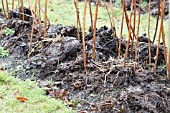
(3, 52)
(37, 101)
(7, 31)
(63, 12)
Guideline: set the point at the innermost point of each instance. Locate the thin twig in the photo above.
(116, 77)
(80, 31)
(127, 21)
(45, 19)
(113, 27)
(168, 57)
(44, 15)
(131, 12)
(19, 7)
(136, 50)
(94, 32)
(130, 21)
(77, 19)
(129, 33)
(134, 21)
(112, 67)
(149, 47)
(83, 36)
(134, 24)
(39, 17)
(127, 46)
(91, 17)
(108, 13)
(32, 13)
(13, 3)
(7, 8)
(32, 32)
(4, 9)
(157, 21)
(111, 23)
(161, 27)
(121, 30)
(164, 45)
(22, 8)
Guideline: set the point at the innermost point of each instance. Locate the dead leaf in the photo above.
(57, 93)
(22, 99)
(63, 92)
(82, 111)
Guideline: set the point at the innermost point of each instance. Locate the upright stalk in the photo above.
(83, 35)
(129, 26)
(13, 3)
(7, 8)
(134, 21)
(136, 50)
(157, 21)
(121, 30)
(91, 17)
(39, 17)
(19, 8)
(108, 13)
(130, 21)
(113, 27)
(127, 46)
(35, 9)
(129, 33)
(131, 12)
(138, 18)
(168, 57)
(22, 9)
(32, 31)
(94, 32)
(77, 18)
(161, 27)
(3, 8)
(149, 47)
(32, 13)
(45, 19)
(111, 23)
(164, 44)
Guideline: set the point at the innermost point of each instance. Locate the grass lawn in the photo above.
(38, 102)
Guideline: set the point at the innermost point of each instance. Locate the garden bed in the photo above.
(108, 86)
